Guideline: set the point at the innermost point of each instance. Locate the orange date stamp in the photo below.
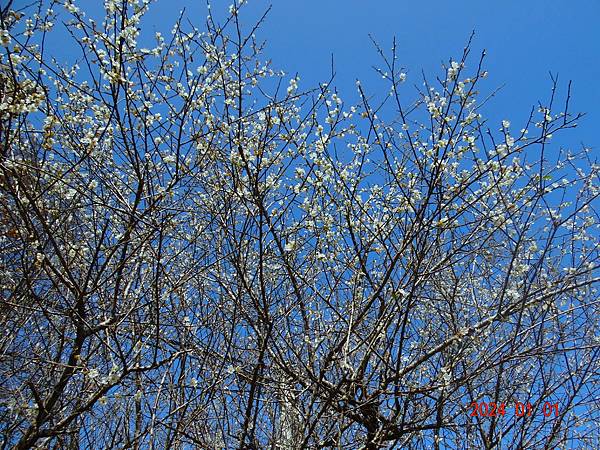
(492, 409)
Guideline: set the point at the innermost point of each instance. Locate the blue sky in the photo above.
(524, 41)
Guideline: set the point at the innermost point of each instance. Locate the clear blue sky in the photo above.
(524, 40)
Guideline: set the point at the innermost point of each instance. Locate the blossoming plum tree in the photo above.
(196, 253)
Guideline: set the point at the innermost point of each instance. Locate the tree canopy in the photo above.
(198, 252)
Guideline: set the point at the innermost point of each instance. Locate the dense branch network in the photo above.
(195, 253)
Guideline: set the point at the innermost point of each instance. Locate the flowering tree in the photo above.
(195, 253)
